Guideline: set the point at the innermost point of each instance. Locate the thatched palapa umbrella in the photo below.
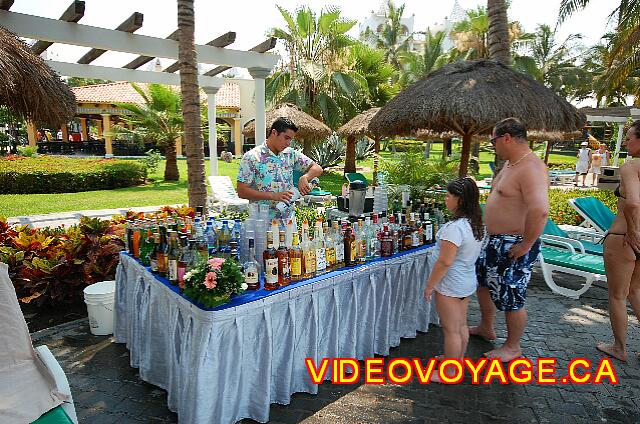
(359, 126)
(309, 128)
(469, 98)
(28, 87)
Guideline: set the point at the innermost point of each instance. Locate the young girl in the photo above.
(453, 275)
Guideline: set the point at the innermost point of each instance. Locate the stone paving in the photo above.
(107, 390)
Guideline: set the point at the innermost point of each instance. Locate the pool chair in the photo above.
(222, 191)
(551, 231)
(568, 256)
(595, 213)
(34, 388)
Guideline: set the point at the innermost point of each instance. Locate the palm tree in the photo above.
(317, 78)
(191, 105)
(551, 63)
(376, 74)
(416, 66)
(498, 34)
(393, 38)
(623, 58)
(159, 119)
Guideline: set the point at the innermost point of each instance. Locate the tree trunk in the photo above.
(306, 146)
(464, 155)
(189, 89)
(376, 159)
(350, 157)
(498, 31)
(547, 152)
(446, 148)
(171, 172)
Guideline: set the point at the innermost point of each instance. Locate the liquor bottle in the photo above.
(308, 252)
(329, 246)
(386, 243)
(224, 235)
(146, 246)
(427, 225)
(282, 207)
(361, 244)
(288, 239)
(284, 276)
(418, 233)
(275, 229)
(136, 240)
(153, 257)
(128, 236)
(370, 239)
(234, 240)
(183, 260)
(173, 254)
(349, 242)
(321, 258)
(270, 264)
(250, 268)
(338, 244)
(163, 249)
(393, 231)
(377, 236)
(295, 259)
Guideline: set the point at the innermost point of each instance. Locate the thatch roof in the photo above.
(28, 87)
(309, 128)
(469, 97)
(359, 125)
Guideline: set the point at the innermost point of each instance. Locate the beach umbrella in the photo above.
(358, 126)
(469, 98)
(28, 87)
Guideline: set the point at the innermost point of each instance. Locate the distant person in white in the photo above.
(584, 162)
(453, 265)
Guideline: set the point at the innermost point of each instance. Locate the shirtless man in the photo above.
(515, 215)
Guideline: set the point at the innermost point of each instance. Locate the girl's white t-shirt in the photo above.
(460, 279)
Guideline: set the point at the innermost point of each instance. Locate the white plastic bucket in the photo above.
(99, 298)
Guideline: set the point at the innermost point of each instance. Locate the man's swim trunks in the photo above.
(506, 279)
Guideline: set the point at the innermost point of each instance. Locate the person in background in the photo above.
(606, 154)
(515, 215)
(266, 171)
(453, 275)
(622, 250)
(596, 163)
(584, 161)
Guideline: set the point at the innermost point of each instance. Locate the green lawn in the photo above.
(160, 192)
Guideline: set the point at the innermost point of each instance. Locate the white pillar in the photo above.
(259, 75)
(213, 136)
(618, 144)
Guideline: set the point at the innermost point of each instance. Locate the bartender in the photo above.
(266, 171)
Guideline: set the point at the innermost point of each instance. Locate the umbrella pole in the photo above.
(546, 152)
(464, 155)
(376, 150)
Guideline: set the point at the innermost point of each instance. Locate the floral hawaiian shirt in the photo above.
(263, 170)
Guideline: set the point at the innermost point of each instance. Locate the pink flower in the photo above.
(216, 263)
(210, 280)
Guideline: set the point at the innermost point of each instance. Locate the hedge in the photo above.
(49, 174)
(561, 165)
(561, 211)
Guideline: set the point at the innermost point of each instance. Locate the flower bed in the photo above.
(561, 212)
(49, 174)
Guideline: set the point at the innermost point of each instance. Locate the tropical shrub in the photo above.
(28, 151)
(561, 165)
(48, 174)
(561, 212)
(54, 265)
(364, 148)
(151, 160)
(328, 152)
(414, 170)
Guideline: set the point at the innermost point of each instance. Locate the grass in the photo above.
(159, 192)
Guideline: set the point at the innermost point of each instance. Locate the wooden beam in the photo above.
(77, 34)
(223, 41)
(6, 4)
(74, 13)
(263, 47)
(132, 24)
(141, 60)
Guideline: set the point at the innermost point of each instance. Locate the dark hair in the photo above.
(282, 124)
(512, 126)
(469, 204)
(636, 127)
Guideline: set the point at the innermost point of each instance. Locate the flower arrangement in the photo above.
(212, 282)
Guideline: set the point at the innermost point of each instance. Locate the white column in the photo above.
(259, 75)
(618, 144)
(213, 136)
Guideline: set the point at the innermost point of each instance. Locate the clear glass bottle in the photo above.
(173, 255)
(338, 243)
(250, 268)
(329, 246)
(361, 242)
(309, 252)
(295, 259)
(212, 237)
(321, 258)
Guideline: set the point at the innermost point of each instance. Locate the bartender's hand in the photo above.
(303, 186)
(283, 196)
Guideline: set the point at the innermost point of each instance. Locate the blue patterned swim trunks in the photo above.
(506, 279)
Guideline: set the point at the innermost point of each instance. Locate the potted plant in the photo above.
(212, 282)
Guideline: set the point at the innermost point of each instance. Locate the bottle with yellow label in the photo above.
(330, 248)
(295, 259)
(308, 252)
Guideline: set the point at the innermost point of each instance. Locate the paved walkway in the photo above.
(107, 390)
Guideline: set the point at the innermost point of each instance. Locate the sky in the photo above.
(252, 19)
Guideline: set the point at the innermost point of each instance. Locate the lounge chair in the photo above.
(557, 255)
(561, 177)
(222, 191)
(595, 213)
(552, 230)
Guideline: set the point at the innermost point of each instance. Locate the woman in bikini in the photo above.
(622, 250)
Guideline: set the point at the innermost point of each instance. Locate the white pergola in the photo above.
(618, 115)
(66, 30)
